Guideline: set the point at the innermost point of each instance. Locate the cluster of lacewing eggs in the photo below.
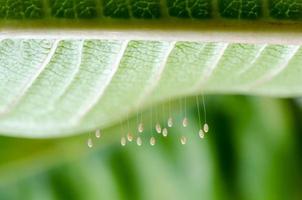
(164, 131)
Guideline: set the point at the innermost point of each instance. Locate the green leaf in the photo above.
(150, 9)
(52, 88)
(72, 66)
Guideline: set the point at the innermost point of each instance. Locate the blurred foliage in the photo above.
(253, 151)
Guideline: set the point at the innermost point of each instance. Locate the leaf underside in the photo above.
(151, 9)
(51, 88)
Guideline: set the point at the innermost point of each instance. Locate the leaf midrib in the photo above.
(184, 30)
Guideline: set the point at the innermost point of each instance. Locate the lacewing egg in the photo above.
(170, 122)
(183, 140)
(152, 141)
(139, 141)
(206, 128)
(201, 134)
(140, 127)
(98, 133)
(158, 128)
(165, 132)
(123, 141)
(89, 143)
(185, 122)
(129, 137)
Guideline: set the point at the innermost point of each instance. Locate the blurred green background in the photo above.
(253, 151)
